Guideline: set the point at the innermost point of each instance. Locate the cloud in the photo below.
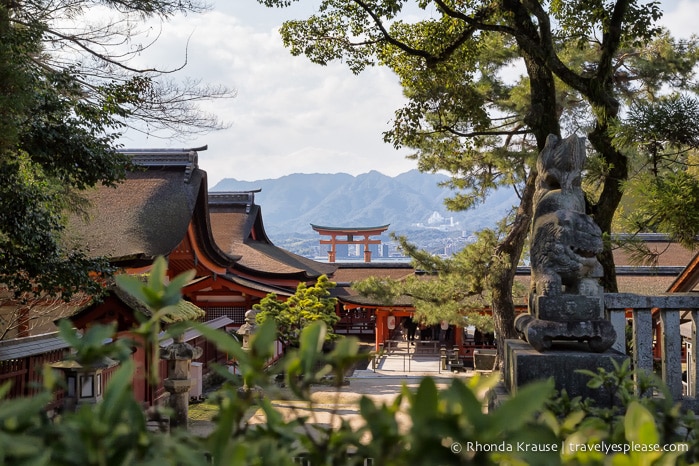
(289, 115)
(680, 17)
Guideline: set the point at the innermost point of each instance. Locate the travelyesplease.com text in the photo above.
(567, 447)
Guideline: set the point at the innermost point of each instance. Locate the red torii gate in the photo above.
(349, 233)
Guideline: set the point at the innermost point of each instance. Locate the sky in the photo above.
(290, 115)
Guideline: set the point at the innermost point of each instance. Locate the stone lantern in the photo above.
(179, 357)
(248, 328)
(83, 382)
(246, 331)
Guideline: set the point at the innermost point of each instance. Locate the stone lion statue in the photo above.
(563, 253)
(565, 300)
(564, 241)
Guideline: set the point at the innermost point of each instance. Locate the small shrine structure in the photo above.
(349, 235)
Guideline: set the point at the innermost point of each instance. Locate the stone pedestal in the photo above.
(524, 364)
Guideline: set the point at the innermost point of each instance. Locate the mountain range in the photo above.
(408, 202)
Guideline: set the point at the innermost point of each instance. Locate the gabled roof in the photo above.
(236, 222)
(688, 280)
(149, 213)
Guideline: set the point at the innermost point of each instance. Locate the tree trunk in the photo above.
(603, 211)
(509, 252)
(543, 120)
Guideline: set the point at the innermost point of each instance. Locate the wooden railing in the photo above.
(670, 310)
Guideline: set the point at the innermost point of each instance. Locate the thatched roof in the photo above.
(145, 216)
(149, 213)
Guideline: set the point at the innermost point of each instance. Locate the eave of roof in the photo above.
(17, 348)
(258, 286)
(688, 279)
(350, 229)
(347, 295)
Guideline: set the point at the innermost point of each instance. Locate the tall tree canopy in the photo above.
(472, 113)
(67, 88)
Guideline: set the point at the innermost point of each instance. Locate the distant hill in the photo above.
(410, 201)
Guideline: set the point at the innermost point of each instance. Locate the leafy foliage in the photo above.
(474, 113)
(664, 196)
(447, 426)
(66, 93)
(308, 304)
(160, 298)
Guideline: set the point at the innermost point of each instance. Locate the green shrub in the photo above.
(448, 427)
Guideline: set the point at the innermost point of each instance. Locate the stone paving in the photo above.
(330, 404)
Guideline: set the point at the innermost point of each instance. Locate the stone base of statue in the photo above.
(541, 334)
(524, 364)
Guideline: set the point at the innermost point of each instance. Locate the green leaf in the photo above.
(132, 285)
(118, 390)
(173, 291)
(424, 405)
(22, 408)
(639, 425)
(472, 407)
(549, 419)
(223, 341)
(311, 343)
(521, 408)
(572, 420)
(156, 278)
(263, 340)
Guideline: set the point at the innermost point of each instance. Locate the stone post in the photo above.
(179, 357)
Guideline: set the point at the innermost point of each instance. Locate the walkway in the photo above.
(402, 361)
(382, 385)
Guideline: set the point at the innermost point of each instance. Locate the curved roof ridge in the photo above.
(340, 229)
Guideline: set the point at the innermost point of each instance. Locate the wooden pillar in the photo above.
(333, 252)
(459, 337)
(381, 327)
